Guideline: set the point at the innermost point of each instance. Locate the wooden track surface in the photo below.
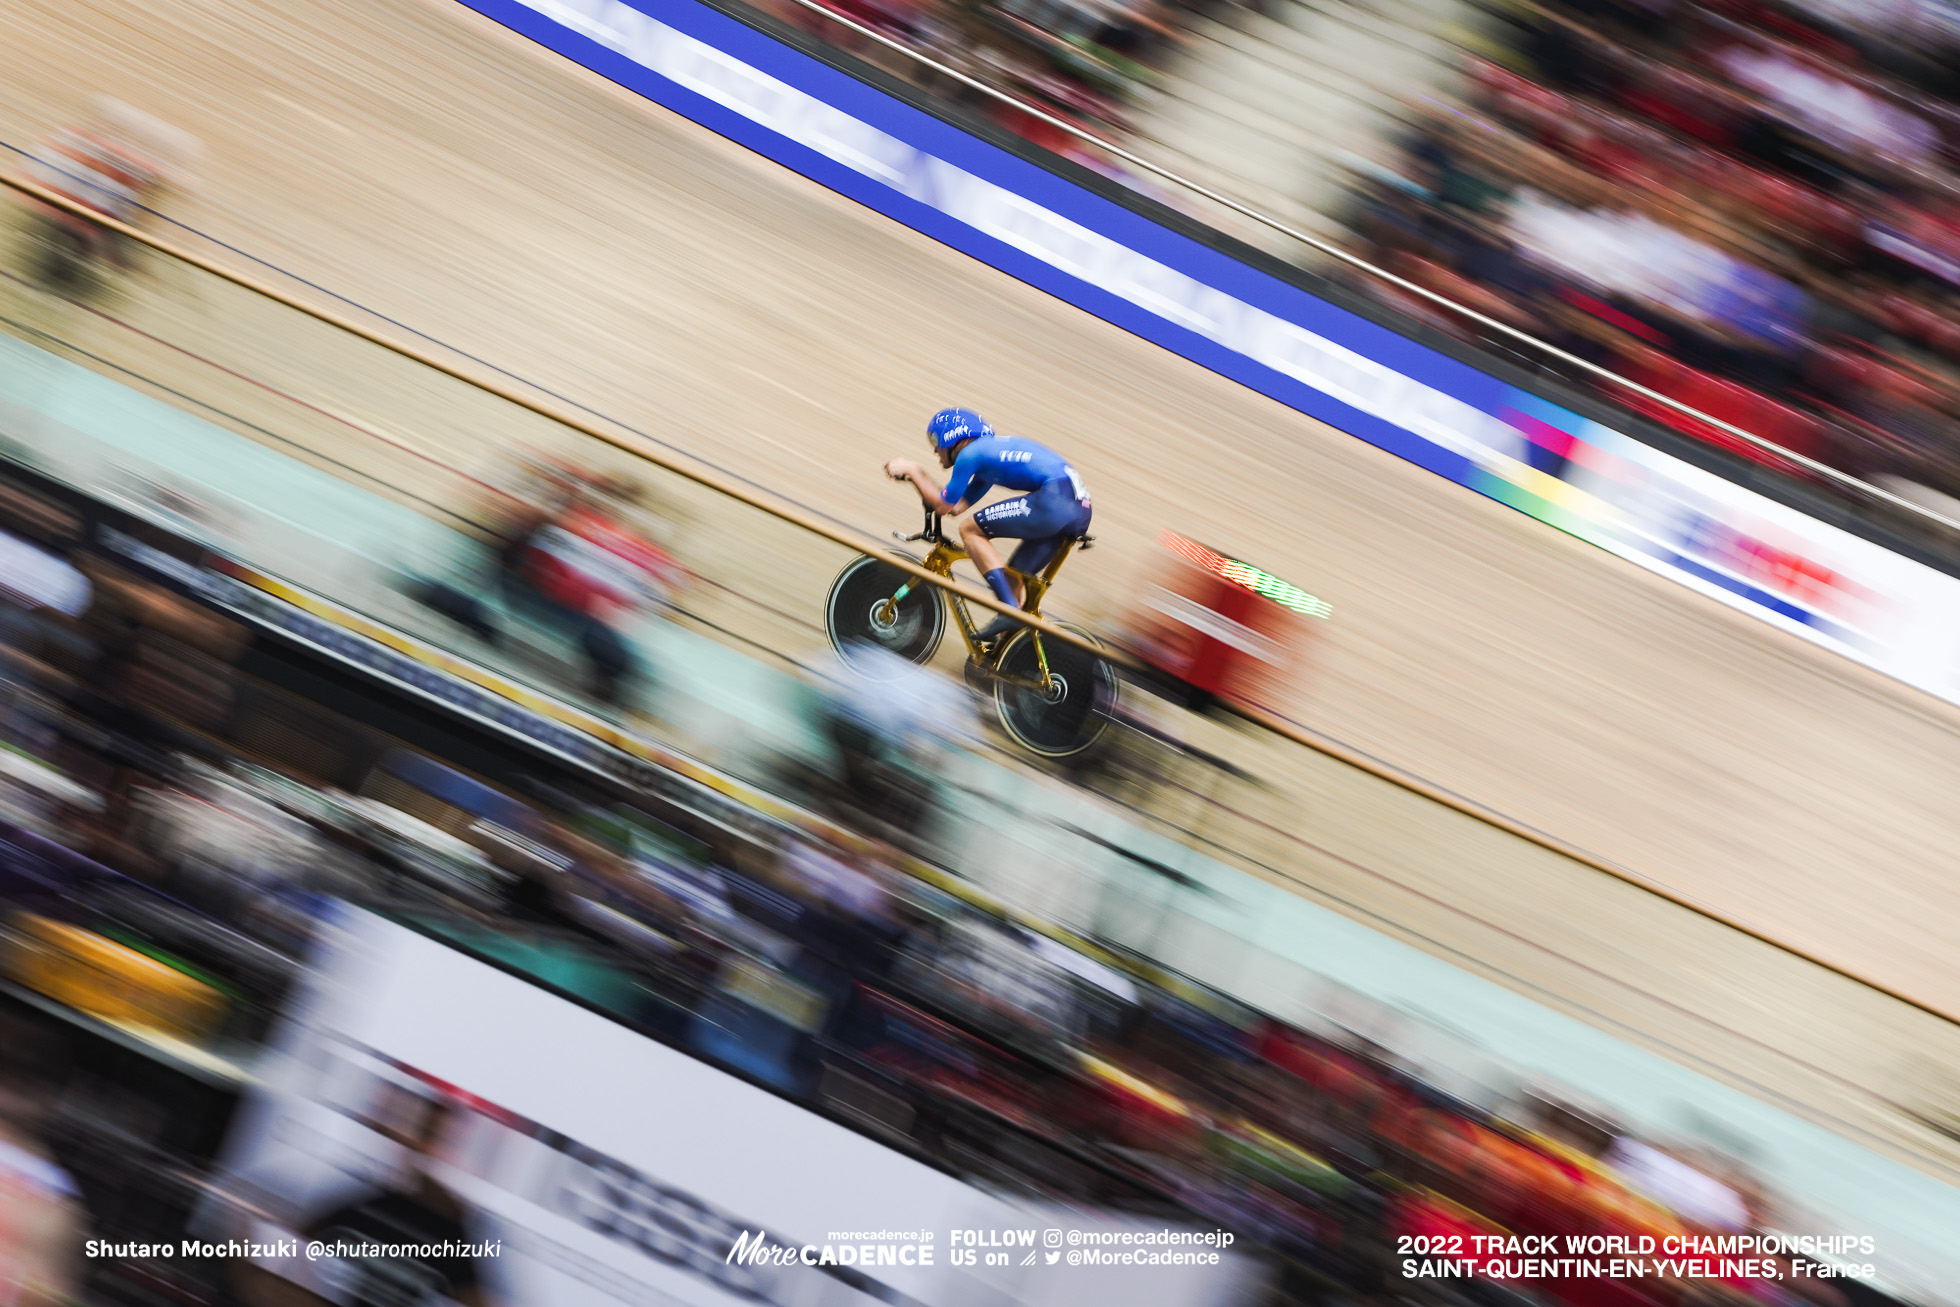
(447, 173)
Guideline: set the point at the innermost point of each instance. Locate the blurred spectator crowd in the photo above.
(175, 819)
(1091, 63)
(1749, 206)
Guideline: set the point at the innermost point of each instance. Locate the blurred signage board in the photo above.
(604, 1167)
(1221, 626)
(1718, 538)
(107, 979)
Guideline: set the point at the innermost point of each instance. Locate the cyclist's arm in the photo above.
(935, 498)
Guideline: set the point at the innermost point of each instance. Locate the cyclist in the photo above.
(565, 558)
(1053, 506)
(118, 165)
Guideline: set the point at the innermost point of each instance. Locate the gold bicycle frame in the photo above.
(944, 554)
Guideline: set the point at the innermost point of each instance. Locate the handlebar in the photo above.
(930, 534)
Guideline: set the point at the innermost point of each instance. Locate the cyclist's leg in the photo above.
(607, 654)
(981, 550)
(1008, 519)
(1070, 518)
(1030, 556)
(1040, 521)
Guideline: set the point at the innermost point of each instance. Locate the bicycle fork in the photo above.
(888, 611)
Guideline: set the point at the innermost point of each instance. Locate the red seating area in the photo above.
(1782, 424)
(1751, 208)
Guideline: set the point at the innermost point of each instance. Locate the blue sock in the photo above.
(1003, 588)
(1002, 623)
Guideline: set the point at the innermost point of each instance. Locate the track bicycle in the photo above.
(1054, 698)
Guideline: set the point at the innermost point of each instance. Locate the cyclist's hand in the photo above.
(899, 469)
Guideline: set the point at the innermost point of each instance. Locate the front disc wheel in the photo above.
(860, 615)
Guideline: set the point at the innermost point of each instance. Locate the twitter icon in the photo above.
(1053, 1258)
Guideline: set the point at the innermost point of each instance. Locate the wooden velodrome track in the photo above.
(424, 162)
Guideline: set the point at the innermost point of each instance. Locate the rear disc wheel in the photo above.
(1072, 712)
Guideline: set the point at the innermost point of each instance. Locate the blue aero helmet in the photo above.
(949, 426)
